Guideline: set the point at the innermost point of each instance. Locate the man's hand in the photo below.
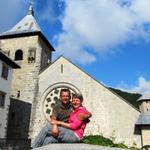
(54, 122)
(55, 130)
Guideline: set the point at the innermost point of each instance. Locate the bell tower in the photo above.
(27, 46)
(143, 122)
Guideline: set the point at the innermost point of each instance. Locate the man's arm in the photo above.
(64, 124)
(74, 124)
(55, 130)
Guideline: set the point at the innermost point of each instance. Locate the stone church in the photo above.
(36, 87)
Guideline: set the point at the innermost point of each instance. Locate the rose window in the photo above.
(51, 98)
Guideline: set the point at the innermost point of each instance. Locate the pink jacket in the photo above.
(77, 125)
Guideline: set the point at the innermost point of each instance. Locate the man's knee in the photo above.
(55, 134)
(47, 126)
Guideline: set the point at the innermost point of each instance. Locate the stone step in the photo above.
(75, 147)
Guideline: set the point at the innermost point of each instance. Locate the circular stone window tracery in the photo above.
(52, 96)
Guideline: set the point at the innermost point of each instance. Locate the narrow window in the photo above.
(2, 99)
(5, 70)
(31, 55)
(19, 55)
(62, 68)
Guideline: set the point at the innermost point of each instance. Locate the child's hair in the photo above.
(78, 95)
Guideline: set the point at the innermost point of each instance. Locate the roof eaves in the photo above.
(27, 33)
(143, 120)
(8, 60)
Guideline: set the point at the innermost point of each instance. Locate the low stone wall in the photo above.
(75, 147)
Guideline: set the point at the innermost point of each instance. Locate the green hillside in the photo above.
(130, 97)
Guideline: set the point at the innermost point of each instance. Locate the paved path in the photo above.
(75, 147)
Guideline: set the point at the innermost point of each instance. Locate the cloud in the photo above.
(100, 26)
(88, 28)
(142, 87)
(141, 9)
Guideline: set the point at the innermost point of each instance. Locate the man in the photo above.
(61, 112)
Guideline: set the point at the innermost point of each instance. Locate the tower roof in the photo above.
(143, 120)
(26, 25)
(145, 97)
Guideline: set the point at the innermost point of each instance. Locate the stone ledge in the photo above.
(75, 147)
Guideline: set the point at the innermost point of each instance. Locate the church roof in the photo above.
(143, 120)
(26, 27)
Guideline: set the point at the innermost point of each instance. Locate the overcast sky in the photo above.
(109, 39)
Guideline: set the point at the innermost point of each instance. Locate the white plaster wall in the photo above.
(5, 86)
(112, 116)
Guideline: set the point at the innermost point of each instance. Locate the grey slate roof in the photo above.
(26, 27)
(27, 24)
(143, 120)
(145, 97)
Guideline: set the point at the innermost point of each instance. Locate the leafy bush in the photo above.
(120, 145)
(100, 140)
(97, 140)
(133, 148)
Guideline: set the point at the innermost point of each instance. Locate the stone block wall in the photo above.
(24, 79)
(145, 135)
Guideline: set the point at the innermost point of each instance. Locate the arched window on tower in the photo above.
(19, 55)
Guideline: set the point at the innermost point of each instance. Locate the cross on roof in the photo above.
(30, 11)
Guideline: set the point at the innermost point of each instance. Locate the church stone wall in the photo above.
(45, 55)
(24, 79)
(112, 116)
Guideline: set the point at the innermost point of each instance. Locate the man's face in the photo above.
(65, 97)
